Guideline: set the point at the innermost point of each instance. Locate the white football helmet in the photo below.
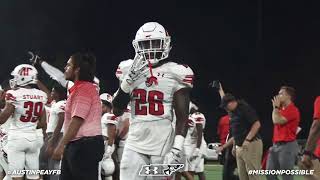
(106, 97)
(23, 74)
(107, 167)
(152, 42)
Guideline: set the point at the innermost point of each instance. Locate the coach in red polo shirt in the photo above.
(82, 143)
(286, 118)
(311, 155)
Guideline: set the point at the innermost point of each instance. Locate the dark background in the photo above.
(253, 47)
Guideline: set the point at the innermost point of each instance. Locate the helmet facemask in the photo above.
(13, 83)
(153, 50)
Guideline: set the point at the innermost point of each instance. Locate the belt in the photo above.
(282, 142)
(254, 139)
(86, 138)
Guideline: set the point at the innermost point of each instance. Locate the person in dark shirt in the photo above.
(244, 127)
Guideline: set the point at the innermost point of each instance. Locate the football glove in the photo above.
(138, 68)
(174, 156)
(34, 58)
(108, 151)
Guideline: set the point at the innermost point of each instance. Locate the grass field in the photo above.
(214, 172)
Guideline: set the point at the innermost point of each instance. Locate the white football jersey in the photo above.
(194, 119)
(29, 105)
(47, 107)
(151, 131)
(108, 118)
(152, 103)
(55, 109)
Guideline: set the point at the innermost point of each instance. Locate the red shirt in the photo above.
(316, 116)
(223, 128)
(287, 132)
(317, 150)
(84, 102)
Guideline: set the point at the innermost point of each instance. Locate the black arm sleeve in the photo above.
(120, 102)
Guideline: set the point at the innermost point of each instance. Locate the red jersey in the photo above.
(223, 128)
(287, 132)
(316, 117)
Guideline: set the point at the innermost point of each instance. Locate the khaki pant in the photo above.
(249, 159)
(316, 173)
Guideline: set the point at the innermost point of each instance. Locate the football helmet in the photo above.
(106, 97)
(152, 41)
(23, 74)
(107, 167)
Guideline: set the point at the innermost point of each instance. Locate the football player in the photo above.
(196, 143)
(194, 148)
(26, 104)
(4, 134)
(115, 130)
(155, 86)
(55, 124)
(124, 121)
(109, 133)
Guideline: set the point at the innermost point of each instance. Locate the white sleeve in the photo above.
(112, 119)
(123, 68)
(54, 73)
(59, 107)
(12, 97)
(184, 76)
(108, 118)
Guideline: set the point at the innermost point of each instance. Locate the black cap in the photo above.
(226, 99)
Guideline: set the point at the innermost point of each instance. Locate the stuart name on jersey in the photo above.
(30, 97)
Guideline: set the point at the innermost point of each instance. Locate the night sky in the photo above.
(253, 47)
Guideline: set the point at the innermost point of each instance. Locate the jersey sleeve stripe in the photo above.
(199, 119)
(188, 81)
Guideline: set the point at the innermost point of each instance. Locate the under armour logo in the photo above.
(149, 170)
(160, 169)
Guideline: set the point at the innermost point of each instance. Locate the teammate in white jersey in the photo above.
(124, 120)
(26, 105)
(107, 163)
(4, 135)
(194, 144)
(115, 131)
(55, 125)
(155, 87)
